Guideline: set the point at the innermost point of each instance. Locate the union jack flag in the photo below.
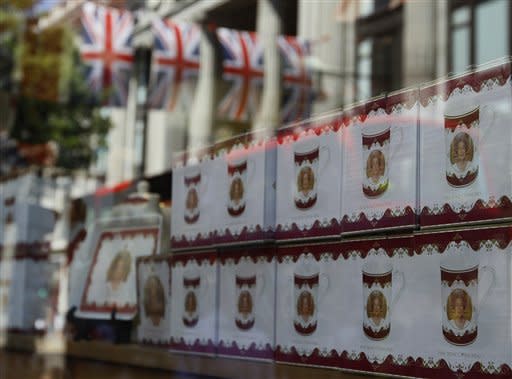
(242, 74)
(106, 50)
(297, 89)
(175, 65)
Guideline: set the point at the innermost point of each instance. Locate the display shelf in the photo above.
(152, 357)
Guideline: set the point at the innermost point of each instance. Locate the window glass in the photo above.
(364, 70)
(492, 40)
(460, 49)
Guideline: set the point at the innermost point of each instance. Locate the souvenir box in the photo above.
(25, 274)
(245, 192)
(379, 181)
(309, 165)
(111, 254)
(154, 300)
(194, 302)
(377, 323)
(466, 150)
(461, 304)
(309, 313)
(193, 194)
(22, 223)
(247, 302)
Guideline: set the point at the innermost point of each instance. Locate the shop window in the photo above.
(479, 32)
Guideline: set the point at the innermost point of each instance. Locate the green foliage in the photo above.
(54, 103)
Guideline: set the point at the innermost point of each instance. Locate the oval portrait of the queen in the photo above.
(305, 305)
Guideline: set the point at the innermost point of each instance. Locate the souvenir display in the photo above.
(464, 128)
(309, 156)
(193, 191)
(246, 302)
(154, 298)
(194, 302)
(111, 280)
(309, 315)
(379, 174)
(245, 205)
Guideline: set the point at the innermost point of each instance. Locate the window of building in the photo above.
(479, 32)
(379, 48)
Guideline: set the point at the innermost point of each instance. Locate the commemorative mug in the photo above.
(460, 277)
(462, 131)
(377, 155)
(192, 291)
(239, 176)
(307, 156)
(193, 193)
(248, 287)
(309, 286)
(378, 299)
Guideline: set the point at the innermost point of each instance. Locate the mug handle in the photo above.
(251, 168)
(327, 154)
(487, 110)
(204, 183)
(323, 286)
(400, 274)
(261, 285)
(488, 269)
(399, 144)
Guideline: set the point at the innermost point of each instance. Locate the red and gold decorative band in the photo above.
(193, 219)
(241, 281)
(451, 122)
(190, 323)
(378, 335)
(305, 330)
(381, 279)
(244, 325)
(192, 180)
(191, 282)
(305, 204)
(236, 212)
(237, 168)
(379, 138)
(309, 281)
(467, 276)
(307, 156)
(465, 339)
(460, 182)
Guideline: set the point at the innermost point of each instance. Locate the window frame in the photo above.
(472, 5)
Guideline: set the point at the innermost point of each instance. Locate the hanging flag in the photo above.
(242, 65)
(175, 65)
(297, 86)
(107, 51)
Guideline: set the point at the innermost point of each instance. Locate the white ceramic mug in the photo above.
(240, 172)
(377, 155)
(378, 300)
(249, 287)
(308, 287)
(462, 132)
(307, 155)
(460, 290)
(192, 297)
(194, 190)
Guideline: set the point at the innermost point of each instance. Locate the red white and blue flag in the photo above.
(175, 65)
(106, 50)
(297, 89)
(242, 61)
